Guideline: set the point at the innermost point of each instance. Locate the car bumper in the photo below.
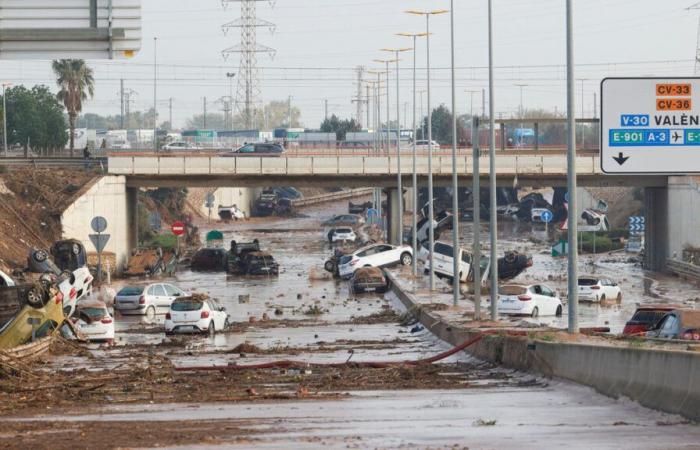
(513, 309)
(587, 297)
(186, 327)
(128, 310)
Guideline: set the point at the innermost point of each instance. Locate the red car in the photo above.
(645, 318)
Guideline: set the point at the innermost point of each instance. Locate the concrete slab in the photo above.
(220, 166)
(248, 165)
(376, 164)
(527, 165)
(121, 165)
(145, 165)
(350, 165)
(274, 166)
(171, 165)
(299, 166)
(554, 164)
(198, 165)
(325, 165)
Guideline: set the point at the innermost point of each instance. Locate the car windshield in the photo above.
(93, 313)
(187, 305)
(647, 317)
(443, 249)
(345, 259)
(587, 281)
(131, 290)
(343, 230)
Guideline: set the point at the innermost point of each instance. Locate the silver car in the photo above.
(148, 300)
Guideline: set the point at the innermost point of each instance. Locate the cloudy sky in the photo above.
(319, 44)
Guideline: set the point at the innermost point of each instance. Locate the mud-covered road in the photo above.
(132, 395)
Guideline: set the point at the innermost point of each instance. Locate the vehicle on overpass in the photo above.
(423, 145)
(180, 146)
(376, 255)
(532, 300)
(257, 149)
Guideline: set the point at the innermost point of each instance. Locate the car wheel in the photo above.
(226, 323)
(329, 266)
(40, 255)
(406, 259)
(602, 298)
(535, 312)
(151, 313)
(358, 290)
(211, 331)
(36, 296)
(559, 311)
(619, 297)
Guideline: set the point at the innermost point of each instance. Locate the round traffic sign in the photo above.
(547, 216)
(178, 228)
(98, 224)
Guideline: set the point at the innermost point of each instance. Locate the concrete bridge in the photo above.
(529, 170)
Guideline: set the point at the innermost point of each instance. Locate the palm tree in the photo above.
(77, 84)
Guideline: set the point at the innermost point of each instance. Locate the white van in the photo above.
(444, 265)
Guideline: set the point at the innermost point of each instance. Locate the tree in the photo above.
(339, 127)
(35, 118)
(442, 127)
(77, 84)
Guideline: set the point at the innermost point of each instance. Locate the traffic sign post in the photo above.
(210, 204)
(178, 229)
(99, 240)
(547, 217)
(650, 126)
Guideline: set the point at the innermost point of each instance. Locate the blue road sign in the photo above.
(372, 215)
(637, 224)
(547, 216)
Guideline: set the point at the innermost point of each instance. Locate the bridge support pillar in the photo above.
(132, 216)
(394, 222)
(656, 232)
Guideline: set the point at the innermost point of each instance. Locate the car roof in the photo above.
(658, 307)
(369, 246)
(589, 277)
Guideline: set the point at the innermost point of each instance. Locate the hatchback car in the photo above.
(678, 324)
(262, 149)
(646, 317)
(368, 279)
(376, 255)
(598, 289)
(342, 235)
(351, 220)
(195, 315)
(535, 300)
(94, 321)
(148, 300)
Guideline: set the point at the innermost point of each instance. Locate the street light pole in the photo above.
(4, 117)
(571, 172)
(492, 178)
(155, 93)
(414, 218)
(431, 209)
(456, 278)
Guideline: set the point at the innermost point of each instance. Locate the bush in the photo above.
(603, 243)
(164, 241)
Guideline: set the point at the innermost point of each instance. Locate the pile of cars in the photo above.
(665, 322)
(243, 258)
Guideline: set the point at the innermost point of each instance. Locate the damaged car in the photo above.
(368, 279)
(151, 262)
(196, 314)
(29, 312)
(232, 212)
(93, 320)
(210, 260)
(237, 253)
(259, 263)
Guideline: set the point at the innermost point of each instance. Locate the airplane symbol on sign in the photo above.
(677, 136)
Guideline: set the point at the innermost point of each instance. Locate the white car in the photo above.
(535, 300)
(376, 255)
(423, 145)
(596, 289)
(6, 280)
(147, 300)
(231, 213)
(342, 235)
(444, 263)
(94, 321)
(76, 286)
(181, 145)
(195, 315)
(121, 145)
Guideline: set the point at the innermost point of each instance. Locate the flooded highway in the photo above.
(306, 317)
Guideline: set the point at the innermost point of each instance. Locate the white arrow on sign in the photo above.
(99, 241)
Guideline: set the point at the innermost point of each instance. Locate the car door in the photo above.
(367, 257)
(171, 293)
(538, 298)
(385, 255)
(161, 298)
(218, 315)
(669, 328)
(549, 306)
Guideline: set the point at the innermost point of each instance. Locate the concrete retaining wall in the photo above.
(243, 197)
(683, 213)
(107, 198)
(659, 379)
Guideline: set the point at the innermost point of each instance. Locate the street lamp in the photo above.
(155, 92)
(4, 115)
(414, 237)
(398, 139)
(230, 76)
(520, 113)
(388, 108)
(378, 191)
(431, 209)
(571, 171)
(493, 225)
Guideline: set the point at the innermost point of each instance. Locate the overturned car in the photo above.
(259, 263)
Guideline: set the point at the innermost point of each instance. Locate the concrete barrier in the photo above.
(667, 380)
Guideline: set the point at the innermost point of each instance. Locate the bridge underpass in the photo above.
(533, 171)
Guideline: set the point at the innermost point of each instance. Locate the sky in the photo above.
(319, 44)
